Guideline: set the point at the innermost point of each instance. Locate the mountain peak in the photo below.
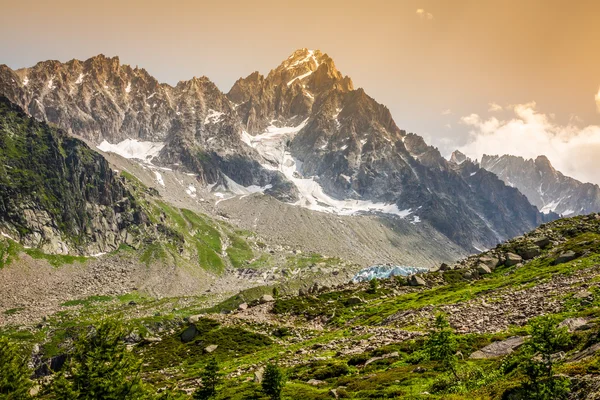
(458, 157)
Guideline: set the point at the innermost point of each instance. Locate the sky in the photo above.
(483, 76)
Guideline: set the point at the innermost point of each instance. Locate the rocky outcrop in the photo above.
(57, 194)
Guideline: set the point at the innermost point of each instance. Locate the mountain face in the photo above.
(545, 187)
(302, 134)
(56, 193)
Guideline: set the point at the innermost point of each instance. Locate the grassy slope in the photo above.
(315, 353)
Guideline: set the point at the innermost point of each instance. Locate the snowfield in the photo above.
(132, 148)
(271, 146)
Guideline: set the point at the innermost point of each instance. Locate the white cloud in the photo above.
(424, 14)
(597, 97)
(447, 112)
(529, 133)
(494, 107)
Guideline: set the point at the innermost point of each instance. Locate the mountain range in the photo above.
(302, 134)
(544, 186)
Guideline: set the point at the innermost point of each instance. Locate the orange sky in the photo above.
(464, 56)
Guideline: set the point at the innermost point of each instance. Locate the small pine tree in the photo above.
(273, 382)
(211, 378)
(539, 364)
(100, 367)
(14, 374)
(275, 292)
(441, 345)
(373, 285)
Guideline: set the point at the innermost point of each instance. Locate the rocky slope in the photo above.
(544, 186)
(57, 194)
(358, 341)
(302, 134)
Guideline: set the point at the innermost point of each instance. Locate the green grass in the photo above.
(87, 301)
(238, 251)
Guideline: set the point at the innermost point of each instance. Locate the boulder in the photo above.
(195, 318)
(188, 334)
(512, 259)
(415, 280)
(573, 324)
(483, 269)
(530, 252)
(333, 393)
(266, 298)
(489, 261)
(444, 267)
(565, 257)
(243, 306)
(258, 374)
(211, 348)
(498, 349)
(541, 241)
(315, 382)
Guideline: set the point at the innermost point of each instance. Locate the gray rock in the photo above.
(258, 374)
(315, 382)
(490, 262)
(565, 257)
(573, 323)
(188, 334)
(415, 280)
(541, 241)
(530, 252)
(512, 259)
(498, 349)
(266, 298)
(243, 306)
(483, 269)
(211, 348)
(333, 393)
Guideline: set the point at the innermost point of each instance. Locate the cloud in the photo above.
(424, 14)
(530, 133)
(597, 97)
(494, 107)
(447, 112)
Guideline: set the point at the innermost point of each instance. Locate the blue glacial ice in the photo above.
(385, 271)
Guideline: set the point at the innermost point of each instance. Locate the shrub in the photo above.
(441, 345)
(100, 366)
(273, 382)
(14, 374)
(211, 378)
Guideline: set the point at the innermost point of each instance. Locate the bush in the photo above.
(539, 361)
(210, 379)
(273, 382)
(441, 345)
(101, 367)
(14, 374)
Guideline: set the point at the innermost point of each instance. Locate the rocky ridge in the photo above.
(544, 186)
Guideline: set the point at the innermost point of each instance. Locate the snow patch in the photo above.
(128, 88)
(191, 191)
(25, 81)
(79, 79)
(159, 178)
(51, 84)
(131, 148)
(299, 78)
(213, 117)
